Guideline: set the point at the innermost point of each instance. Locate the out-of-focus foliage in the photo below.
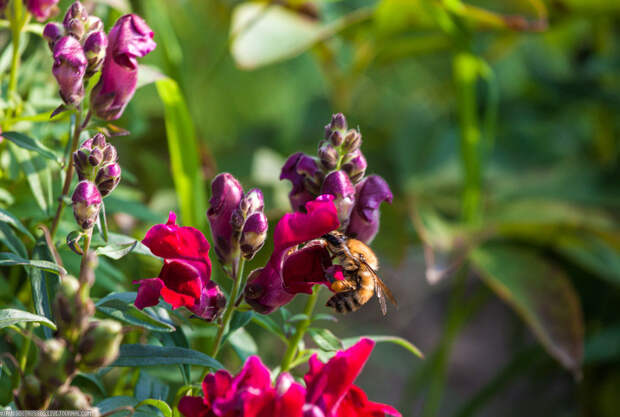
(495, 124)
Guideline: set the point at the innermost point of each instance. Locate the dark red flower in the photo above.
(290, 271)
(185, 279)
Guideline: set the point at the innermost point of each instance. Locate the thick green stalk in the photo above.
(230, 307)
(300, 330)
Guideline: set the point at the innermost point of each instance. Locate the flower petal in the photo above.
(364, 222)
(306, 267)
(148, 292)
(265, 291)
(194, 407)
(183, 286)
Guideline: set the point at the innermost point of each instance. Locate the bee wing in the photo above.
(381, 289)
(380, 296)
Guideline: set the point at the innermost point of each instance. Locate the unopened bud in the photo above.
(98, 140)
(252, 201)
(74, 20)
(52, 33)
(71, 398)
(30, 395)
(336, 138)
(353, 140)
(338, 122)
(355, 166)
(86, 204)
(95, 49)
(328, 155)
(339, 185)
(72, 309)
(254, 234)
(99, 345)
(55, 363)
(94, 24)
(69, 68)
(95, 157)
(108, 178)
(109, 153)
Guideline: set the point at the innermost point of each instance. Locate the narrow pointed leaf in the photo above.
(390, 339)
(11, 316)
(9, 218)
(29, 143)
(150, 355)
(120, 306)
(10, 259)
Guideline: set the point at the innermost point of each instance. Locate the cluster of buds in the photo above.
(238, 222)
(339, 169)
(79, 46)
(99, 173)
(40, 9)
(80, 344)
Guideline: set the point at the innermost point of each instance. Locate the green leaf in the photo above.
(243, 344)
(325, 340)
(263, 34)
(120, 306)
(42, 283)
(11, 316)
(10, 259)
(541, 294)
(116, 251)
(31, 144)
(7, 217)
(270, 325)
(33, 176)
(593, 253)
(177, 338)
(113, 403)
(184, 154)
(297, 317)
(162, 406)
(149, 387)
(10, 239)
(118, 243)
(150, 355)
(390, 339)
(603, 346)
(324, 316)
(239, 320)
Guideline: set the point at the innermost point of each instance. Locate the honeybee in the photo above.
(359, 264)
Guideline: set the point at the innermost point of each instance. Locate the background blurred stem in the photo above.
(69, 174)
(300, 330)
(18, 19)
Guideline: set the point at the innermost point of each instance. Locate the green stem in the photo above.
(230, 307)
(23, 354)
(18, 20)
(300, 330)
(84, 267)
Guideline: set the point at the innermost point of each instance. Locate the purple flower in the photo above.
(253, 234)
(69, 68)
(75, 19)
(226, 194)
(42, 9)
(129, 39)
(94, 49)
(108, 178)
(304, 173)
(364, 221)
(52, 32)
(86, 204)
(355, 166)
(339, 185)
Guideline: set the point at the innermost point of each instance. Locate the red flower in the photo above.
(185, 279)
(330, 391)
(330, 385)
(249, 394)
(289, 270)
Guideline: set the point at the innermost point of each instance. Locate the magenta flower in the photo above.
(129, 39)
(329, 391)
(86, 204)
(185, 279)
(42, 9)
(69, 69)
(226, 193)
(338, 184)
(291, 270)
(364, 222)
(304, 173)
(330, 385)
(249, 394)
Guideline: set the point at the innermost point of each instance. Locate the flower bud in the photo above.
(42, 9)
(336, 138)
(252, 201)
(355, 166)
(69, 68)
(94, 24)
(94, 49)
(100, 344)
(52, 33)
(109, 154)
(339, 185)
(30, 395)
(75, 19)
(71, 398)
(72, 309)
(226, 194)
(95, 157)
(352, 140)
(338, 122)
(86, 204)
(108, 178)
(55, 363)
(254, 234)
(328, 155)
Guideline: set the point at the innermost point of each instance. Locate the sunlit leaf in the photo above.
(11, 316)
(159, 404)
(243, 343)
(389, 339)
(10, 259)
(541, 294)
(325, 339)
(120, 306)
(11, 241)
(26, 142)
(9, 218)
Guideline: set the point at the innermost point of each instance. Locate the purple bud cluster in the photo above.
(78, 46)
(339, 169)
(41, 9)
(238, 222)
(96, 164)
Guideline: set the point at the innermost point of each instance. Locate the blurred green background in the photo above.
(495, 124)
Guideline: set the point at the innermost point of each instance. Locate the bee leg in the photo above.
(342, 285)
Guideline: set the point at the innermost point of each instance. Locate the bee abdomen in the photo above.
(345, 302)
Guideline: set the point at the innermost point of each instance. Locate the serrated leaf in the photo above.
(26, 142)
(120, 306)
(7, 217)
(390, 339)
(11, 316)
(325, 340)
(150, 355)
(541, 294)
(10, 259)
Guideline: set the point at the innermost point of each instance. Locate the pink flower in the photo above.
(330, 385)
(249, 394)
(291, 270)
(42, 9)
(129, 39)
(329, 391)
(185, 279)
